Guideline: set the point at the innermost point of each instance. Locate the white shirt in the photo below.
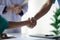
(11, 16)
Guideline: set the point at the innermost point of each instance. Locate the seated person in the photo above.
(4, 24)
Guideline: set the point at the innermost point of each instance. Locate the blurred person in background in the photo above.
(13, 10)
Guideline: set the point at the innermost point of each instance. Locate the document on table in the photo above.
(45, 36)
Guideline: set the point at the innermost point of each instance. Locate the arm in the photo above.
(44, 9)
(13, 24)
(18, 8)
(8, 8)
(15, 5)
(3, 8)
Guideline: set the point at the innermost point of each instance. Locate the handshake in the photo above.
(17, 9)
(30, 23)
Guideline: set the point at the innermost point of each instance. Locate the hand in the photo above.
(11, 7)
(32, 22)
(8, 8)
(17, 9)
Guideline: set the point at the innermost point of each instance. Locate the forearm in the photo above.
(8, 8)
(44, 10)
(17, 24)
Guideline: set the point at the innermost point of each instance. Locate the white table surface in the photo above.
(22, 37)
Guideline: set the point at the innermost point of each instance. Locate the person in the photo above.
(44, 9)
(13, 11)
(4, 24)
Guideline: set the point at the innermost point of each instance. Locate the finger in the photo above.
(32, 23)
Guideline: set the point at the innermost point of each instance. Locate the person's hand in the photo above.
(32, 23)
(17, 9)
(11, 7)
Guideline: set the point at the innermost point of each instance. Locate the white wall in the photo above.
(43, 24)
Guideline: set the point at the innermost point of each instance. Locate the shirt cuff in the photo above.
(4, 11)
(21, 13)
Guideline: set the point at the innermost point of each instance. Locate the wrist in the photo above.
(9, 8)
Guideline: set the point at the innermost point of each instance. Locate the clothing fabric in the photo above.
(10, 15)
(3, 24)
(58, 2)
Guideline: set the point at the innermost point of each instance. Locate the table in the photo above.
(47, 36)
(24, 37)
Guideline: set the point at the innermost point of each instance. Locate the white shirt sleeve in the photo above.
(1, 8)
